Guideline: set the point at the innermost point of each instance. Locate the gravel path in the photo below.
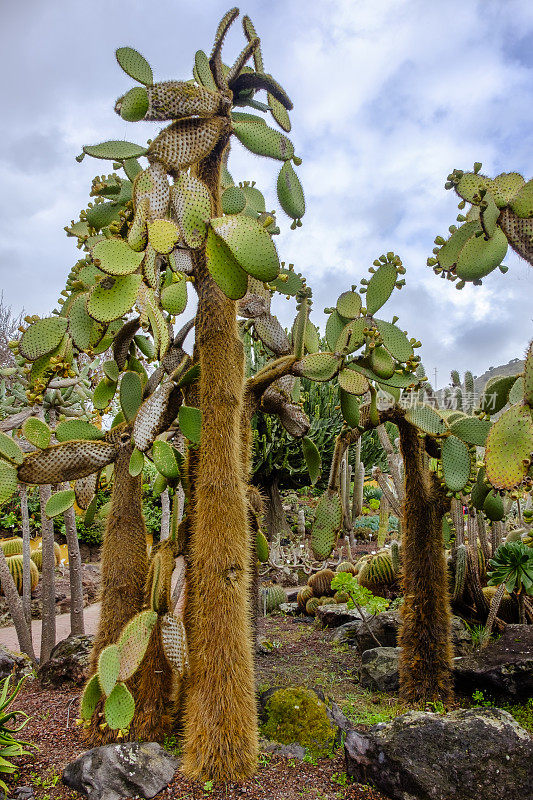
(91, 615)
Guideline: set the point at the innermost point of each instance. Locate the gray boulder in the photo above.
(336, 614)
(68, 664)
(385, 628)
(379, 669)
(504, 666)
(16, 664)
(477, 753)
(131, 769)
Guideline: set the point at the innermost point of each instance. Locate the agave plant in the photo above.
(10, 745)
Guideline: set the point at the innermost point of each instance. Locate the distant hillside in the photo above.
(513, 367)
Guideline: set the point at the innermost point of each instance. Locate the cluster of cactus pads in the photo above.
(500, 213)
(376, 571)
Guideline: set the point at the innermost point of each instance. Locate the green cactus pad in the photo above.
(264, 141)
(133, 643)
(37, 432)
(174, 297)
(165, 460)
(233, 200)
(90, 697)
(312, 459)
(450, 250)
(80, 324)
(349, 408)
(66, 462)
(395, 340)
(115, 151)
(471, 430)
(493, 507)
(42, 337)
(479, 257)
(59, 503)
(10, 450)
(496, 393)
(311, 338)
(505, 187)
(426, 419)
(130, 394)
(111, 370)
(115, 257)
(192, 205)
(353, 382)
(250, 244)
(108, 668)
(131, 168)
(145, 345)
(334, 327)
(380, 287)
(352, 336)
(400, 380)
(255, 201)
(516, 393)
(279, 112)
(456, 463)
(85, 490)
(326, 525)
(104, 393)
(470, 184)
(201, 63)
(174, 640)
(527, 379)
(349, 305)
(272, 334)
(119, 708)
(225, 270)
(288, 282)
(290, 192)
(509, 447)
(522, 203)
(488, 215)
(186, 142)
(136, 463)
(134, 104)
(381, 362)
(163, 235)
(261, 547)
(8, 481)
(111, 298)
(318, 366)
(190, 423)
(135, 65)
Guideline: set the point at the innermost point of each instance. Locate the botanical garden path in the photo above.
(91, 615)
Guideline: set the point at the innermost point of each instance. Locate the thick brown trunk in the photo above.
(26, 552)
(425, 635)
(274, 519)
(48, 583)
(14, 604)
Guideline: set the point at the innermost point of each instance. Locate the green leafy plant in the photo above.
(512, 565)
(10, 745)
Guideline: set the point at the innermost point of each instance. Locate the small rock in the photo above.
(504, 666)
(289, 608)
(474, 753)
(288, 750)
(336, 614)
(114, 771)
(68, 663)
(379, 669)
(22, 793)
(16, 664)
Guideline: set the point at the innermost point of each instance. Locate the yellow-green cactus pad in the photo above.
(165, 460)
(108, 667)
(90, 697)
(135, 65)
(119, 708)
(8, 481)
(380, 287)
(264, 141)
(471, 430)
(326, 525)
(395, 340)
(426, 419)
(190, 422)
(224, 268)
(85, 490)
(41, 337)
(233, 200)
(134, 104)
(279, 112)
(509, 448)
(505, 187)
(163, 235)
(250, 244)
(115, 257)
(480, 256)
(186, 141)
(311, 338)
(312, 459)
(470, 184)
(449, 252)
(80, 324)
(334, 327)
(37, 432)
(349, 408)
(318, 366)
(104, 393)
(192, 206)
(527, 379)
(496, 393)
(522, 204)
(66, 462)
(115, 150)
(261, 547)
(381, 362)
(133, 643)
(136, 464)
(288, 282)
(59, 503)
(353, 382)
(130, 394)
(352, 336)
(493, 507)
(111, 298)
(456, 463)
(349, 305)
(201, 63)
(290, 192)
(174, 297)
(10, 450)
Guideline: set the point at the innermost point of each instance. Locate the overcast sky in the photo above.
(389, 96)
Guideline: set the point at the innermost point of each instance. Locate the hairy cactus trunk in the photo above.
(220, 710)
(124, 558)
(425, 636)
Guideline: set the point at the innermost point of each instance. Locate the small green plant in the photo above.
(437, 707)
(10, 745)
(476, 634)
(478, 698)
(208, 787)
(340, 778)
(47, 781)
(360, 597)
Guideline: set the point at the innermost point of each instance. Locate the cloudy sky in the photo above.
(389, 96)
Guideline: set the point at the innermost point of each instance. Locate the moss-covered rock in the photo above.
(298, 715)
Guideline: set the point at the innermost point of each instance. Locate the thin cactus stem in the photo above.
(26, 575)
(358, 482)
(482, 533)
(48, 637)
(493, 613)
(165, 515)
(458, 521)
(77, 625)
(14, 603)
